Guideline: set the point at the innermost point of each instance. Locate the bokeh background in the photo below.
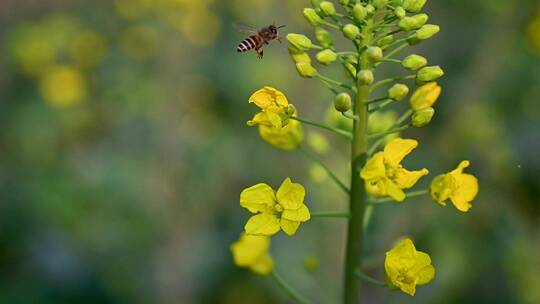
(123, 150)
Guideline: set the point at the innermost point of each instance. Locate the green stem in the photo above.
(332, 81)
(343, 133)
(367, 216)
(381, 106)
(389, 80)
(309, 154)
(349, 115)
(391, 60)
(358, 197)
(377, 100)
(329, 24)
(395, 130)
(317, 47)
(288, 289)
(364, 277)
(385, 200)
(401, 119)
(343, 214)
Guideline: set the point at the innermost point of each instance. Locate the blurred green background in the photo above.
(123, 150)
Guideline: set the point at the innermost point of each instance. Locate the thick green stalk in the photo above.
(358, 198)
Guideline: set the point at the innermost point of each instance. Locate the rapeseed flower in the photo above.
(459, 187)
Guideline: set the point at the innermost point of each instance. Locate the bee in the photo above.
(258, 38)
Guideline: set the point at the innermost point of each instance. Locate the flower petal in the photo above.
(267, 97)
(258, 198)
(262, 224)
(263, 266)
(249, 248)
(462, 165)
(392, 190)
(289, 227)
(300, 215)
(396, 150)
(466, 190)
(405, 179)
(425, 275)
(290, 195)
(374, 168)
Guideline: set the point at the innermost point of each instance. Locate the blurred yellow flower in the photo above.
(275, 126)
(425, 96)
(284, 209)
(63, 86)
(385, 176)
(190, 20)
(251, 251)
(133, 9)
(87, 49)
(459, 187)
(533, 33)
(383, 121)
(405, 267)
(318, 142)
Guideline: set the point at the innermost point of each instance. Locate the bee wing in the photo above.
(245, 28)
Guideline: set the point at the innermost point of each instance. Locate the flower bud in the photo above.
(425, 96)
(359, 12)
(413, 6)
(365, 77)
(421, 19)
(290, 110)
(380, 4)
(422, 117)
(300, 57)
(397, 2)
(323, 37)
(386, 40)
(370, 9)
(316, 3)
(427, 31)
(407, 24)
(414, 62)
(351, 69)
(300, 42)
(305, 69)
(400, 12)
(351, 31)
(326, 56)
(327, 8)
(374, 53)
(398, 91)
(312, 17)
(429, 73)
(343, 102)
(343, 2)
(351, 59)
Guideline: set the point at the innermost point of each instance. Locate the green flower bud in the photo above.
(407, 24)
(397, 2)
(429, 73)
(351, 31)
(327, 8)
(326, 56)
(386, 40)
(359, 12)
(290, 110)
(353, 59)
(316, 3)
(421, 19)
(374, 53)
(380, 4)
(305, 69)
(414, 62)
(365, 77)
(350, 68)
(422, 117)
(427, 31)
(400, 12)
(344, 2)
(323, 37)
(343, 102)
(312, 17)
(300, 57)
(413, 6)
(300, 42)
(370, 9)
(398, 91)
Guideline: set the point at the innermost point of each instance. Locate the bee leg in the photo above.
(259, 53)
(278, 39)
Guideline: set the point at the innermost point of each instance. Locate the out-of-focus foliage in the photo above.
(123, 150)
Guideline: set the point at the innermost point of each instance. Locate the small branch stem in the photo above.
(309, 154)
(395, 130)
(288, 289)
(389, 80)
(385, 200)
(343, 133)
(364, 277)
(338, 214)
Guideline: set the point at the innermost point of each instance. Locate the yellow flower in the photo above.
(283, 209)
(385, 176)
(275, 126)
(425, 96)
(63, 86)
(405, 267)
(251, 251)
(457, 186)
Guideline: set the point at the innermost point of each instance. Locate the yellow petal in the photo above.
(263, 266)
(442, 187)
(425, 275)
(249, 248)
(262, 224)
(289, 227)
(462, 165)
(374, 168)
(287, 138)
(465, 192)
(392, 190)
(290, 195)
(260, 118)
(300, 215)
(405, 179)
(267, 97)
(258, 198)
(396, 150)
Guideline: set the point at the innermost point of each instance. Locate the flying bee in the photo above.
(258, 38)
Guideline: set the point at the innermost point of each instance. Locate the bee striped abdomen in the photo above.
(249, 43)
